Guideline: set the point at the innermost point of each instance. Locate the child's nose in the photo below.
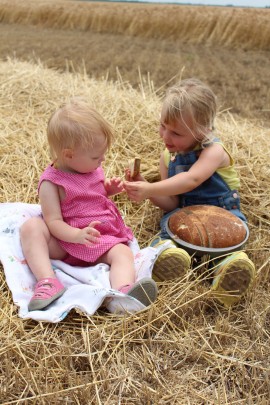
(165, 134)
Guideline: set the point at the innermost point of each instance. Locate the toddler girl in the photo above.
(80, 224)
(195, 168)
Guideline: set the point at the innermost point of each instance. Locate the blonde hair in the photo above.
(76, 124)
(191, 100)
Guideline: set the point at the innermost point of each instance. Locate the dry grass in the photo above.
(186, 349)
(247, 28)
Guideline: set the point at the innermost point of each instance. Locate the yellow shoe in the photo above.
(232, 278)
(171, 263)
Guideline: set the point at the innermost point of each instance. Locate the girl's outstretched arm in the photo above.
(211, 158)
(166, 203)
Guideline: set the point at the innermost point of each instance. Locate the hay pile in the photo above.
(186, 349)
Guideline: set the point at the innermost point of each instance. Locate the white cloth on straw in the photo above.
(87, 287)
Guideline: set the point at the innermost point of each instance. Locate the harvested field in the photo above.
(186, 349)
(248, 28)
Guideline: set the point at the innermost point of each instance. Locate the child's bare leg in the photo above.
(121, 260)
(39, 247)
(122, 275)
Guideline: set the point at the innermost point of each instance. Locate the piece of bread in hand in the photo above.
(134, 167)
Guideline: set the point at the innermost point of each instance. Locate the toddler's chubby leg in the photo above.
(122, 275)
(233, 277)
(121, 261)
(39, 247)
(172, 263)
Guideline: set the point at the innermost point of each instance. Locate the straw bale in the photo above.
(185, 349)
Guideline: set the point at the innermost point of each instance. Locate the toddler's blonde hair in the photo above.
(75, 124)
(191, 99)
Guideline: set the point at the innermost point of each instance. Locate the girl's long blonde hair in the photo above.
(75, 124)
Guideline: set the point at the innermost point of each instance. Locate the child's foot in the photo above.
(144, 290)
(232, 278)
(46, 291)
(171, 263)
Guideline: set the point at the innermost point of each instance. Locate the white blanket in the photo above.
(87, 287)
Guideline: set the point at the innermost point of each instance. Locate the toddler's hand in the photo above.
(89, 235)
(114, 185)
(137, 191)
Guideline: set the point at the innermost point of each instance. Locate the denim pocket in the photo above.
(231, 201)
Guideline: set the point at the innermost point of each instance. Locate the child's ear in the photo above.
(67, 153)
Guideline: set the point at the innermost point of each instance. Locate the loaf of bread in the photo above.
(207, 226)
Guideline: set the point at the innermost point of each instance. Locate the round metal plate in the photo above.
(200, 250)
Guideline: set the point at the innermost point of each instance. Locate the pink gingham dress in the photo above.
(86, 201)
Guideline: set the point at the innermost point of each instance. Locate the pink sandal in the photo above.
(46, 291)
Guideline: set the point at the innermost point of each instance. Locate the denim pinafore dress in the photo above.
(213, 191)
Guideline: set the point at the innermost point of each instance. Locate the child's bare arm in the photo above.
(166, 203)
(51, 210)
(209, 161)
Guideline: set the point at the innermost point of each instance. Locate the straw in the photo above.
(186, 348)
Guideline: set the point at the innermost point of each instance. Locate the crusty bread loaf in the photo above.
(207, 226)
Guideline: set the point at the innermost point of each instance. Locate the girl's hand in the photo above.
(114, 185)
(88, 236)
(137, 190)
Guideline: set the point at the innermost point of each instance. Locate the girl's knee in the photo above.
(120, 247)
(125, 250)
(119, 252)
(31, 227)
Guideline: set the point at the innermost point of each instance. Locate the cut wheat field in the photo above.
(227, 47)
(186, 348)
(210, 25)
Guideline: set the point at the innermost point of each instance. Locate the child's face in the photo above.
(178, 136)
(86, 160)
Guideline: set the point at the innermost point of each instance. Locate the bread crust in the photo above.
(134, 167)
(207, 226)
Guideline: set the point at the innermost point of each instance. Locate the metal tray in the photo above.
(200, 250)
